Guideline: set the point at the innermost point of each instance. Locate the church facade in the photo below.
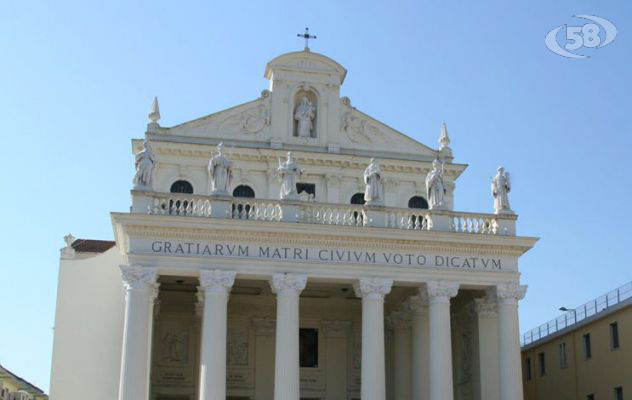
(289, 248)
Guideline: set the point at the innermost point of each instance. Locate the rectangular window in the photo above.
(309, 188)
(614, 336)
(590, 397)
(308, 345)
(528, 368)
(618, 393)
(563, 355)
(541, 362)
(587, 349)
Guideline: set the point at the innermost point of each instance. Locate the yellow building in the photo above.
(12, 387)
(586, 354)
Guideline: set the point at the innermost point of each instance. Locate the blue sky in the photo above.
(77, 79)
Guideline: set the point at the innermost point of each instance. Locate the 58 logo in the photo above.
(590, 35)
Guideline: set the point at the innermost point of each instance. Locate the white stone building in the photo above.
(206, 294)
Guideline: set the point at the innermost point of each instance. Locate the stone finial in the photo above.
(444, 142)
(154, 116)
(68, 252)
(154, 113)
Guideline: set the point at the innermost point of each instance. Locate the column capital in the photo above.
(485, 307)
(137, 277)
(288, 284)
(372, 288)
(510, 293)
(336, 328)
(417, 305)
(399, 320)
(441, 291)
(216, 281)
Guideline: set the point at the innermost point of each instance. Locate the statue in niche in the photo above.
(220, 172)
(174, 347)
(501, 186)
(145, 162)
(289, 171)
(435, 187)
(304, 114)
(373, 181)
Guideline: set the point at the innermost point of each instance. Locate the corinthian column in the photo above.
(214, 288)
(420, 361)
(140, 291)
(439, 295)
(509, 362)
(287, 287)
(373, 379)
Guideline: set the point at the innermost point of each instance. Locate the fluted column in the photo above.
(214, 288)
(373, 379)
(439, 295)
(140, 291)
(400, 323)
(509, 362)
(287, 287)
(420, 360)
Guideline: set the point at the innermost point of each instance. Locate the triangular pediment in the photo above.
(246, 121)
(360, 131)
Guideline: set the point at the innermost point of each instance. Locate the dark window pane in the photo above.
(181, 187)
(614, 335)
(357, 198)
(618, 393)
(528, 367)
(309, 188)
(308, 344)
(541, 362)
(243, 191)
(587, 348)
(417, 202)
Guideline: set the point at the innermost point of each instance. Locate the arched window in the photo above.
(181, 187)
(243, 191)
(357, 198)
(418, 202)
(243, 211)
(358, 217)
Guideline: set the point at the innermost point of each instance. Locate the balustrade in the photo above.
(327, 214)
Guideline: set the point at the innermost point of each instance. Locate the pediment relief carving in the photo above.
(359, 130)
(249, 121)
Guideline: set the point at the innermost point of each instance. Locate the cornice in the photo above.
(318, 235)
(303, 157)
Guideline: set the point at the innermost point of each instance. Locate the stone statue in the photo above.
(145, 162)
(501, 186)
(435, 187)
(304, 114)
(220, 172)
(373, 181)
(289, 171)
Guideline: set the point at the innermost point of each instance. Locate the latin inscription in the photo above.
(328, 255)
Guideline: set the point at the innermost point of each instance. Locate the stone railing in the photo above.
(332, 214)
(322, 213)
(181, 204)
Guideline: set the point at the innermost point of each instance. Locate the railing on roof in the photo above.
(190, 205)
(576, 315)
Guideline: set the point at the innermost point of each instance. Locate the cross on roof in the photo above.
(306, 36)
